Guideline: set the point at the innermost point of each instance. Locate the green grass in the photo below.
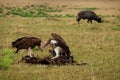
(1, 10)
(6, 58)
(87, 8)
(42, 10)
(96, 44)
(92, 8)
(69, 15)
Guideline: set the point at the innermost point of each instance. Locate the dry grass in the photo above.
(97, 44)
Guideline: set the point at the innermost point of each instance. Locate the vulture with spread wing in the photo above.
(59, 46)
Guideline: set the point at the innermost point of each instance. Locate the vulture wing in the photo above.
(18, 42)
(58, 38)
(61, 42)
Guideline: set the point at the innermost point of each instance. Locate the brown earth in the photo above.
(48, 61)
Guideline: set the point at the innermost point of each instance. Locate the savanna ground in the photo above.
(96, 44)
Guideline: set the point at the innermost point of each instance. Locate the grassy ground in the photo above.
(96, 44)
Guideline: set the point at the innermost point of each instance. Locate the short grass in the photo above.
(96, 44)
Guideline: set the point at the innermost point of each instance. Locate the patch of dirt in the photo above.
(48, 61)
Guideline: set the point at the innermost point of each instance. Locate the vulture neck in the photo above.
(53, 43)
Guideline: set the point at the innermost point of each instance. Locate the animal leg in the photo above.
(88, 21)
(79, 21)
(91, 21)
(30, 52)
(17, 50)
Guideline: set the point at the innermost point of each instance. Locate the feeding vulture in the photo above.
(59, 46)
(27, 43)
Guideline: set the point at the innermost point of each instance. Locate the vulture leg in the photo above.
(30, 52)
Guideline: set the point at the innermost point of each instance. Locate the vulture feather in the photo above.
(26, 43)
(57, 41)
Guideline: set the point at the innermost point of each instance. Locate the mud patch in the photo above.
(48, 61)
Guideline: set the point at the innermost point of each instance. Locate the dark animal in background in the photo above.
(27, 43)
(59, 46)
(90, 15)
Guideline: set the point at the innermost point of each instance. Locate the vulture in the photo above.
(27, 43)
(59, 46)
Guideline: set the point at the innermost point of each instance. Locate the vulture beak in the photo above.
(46, 43)
(40, 47)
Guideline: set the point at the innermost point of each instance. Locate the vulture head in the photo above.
(56, 40)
